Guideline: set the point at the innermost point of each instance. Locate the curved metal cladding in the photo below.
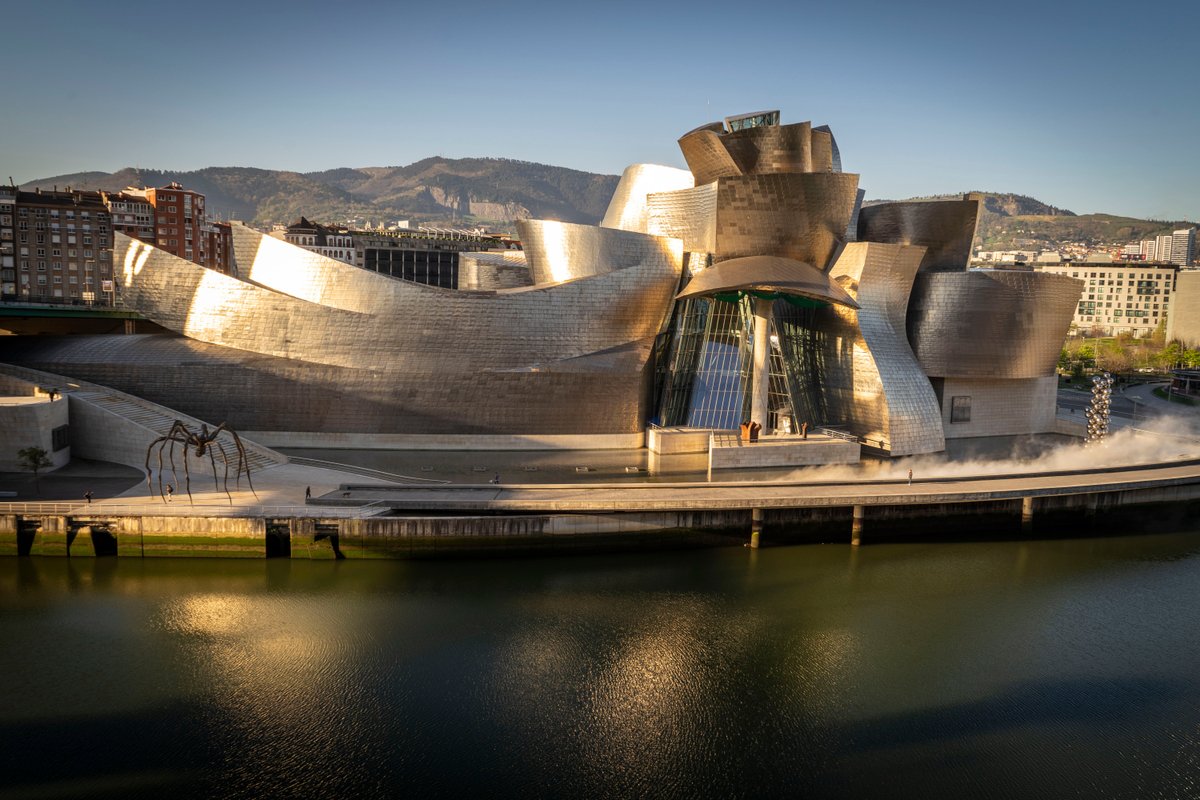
(767, 274)
(822, 151)
(991, 323)
(687, 214)
(488, 361)
(771, 148)
(601, 394)
(799, 216)
(706, 155)
(410, 323)
(627, 209)
(945, 228)
(872, 381)
(564, 251)
(835, 153)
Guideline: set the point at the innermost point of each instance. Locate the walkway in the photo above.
(753, 494)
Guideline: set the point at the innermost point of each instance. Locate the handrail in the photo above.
(850, 437)
(182, 508)
(351, 468)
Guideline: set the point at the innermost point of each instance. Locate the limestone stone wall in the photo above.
(1000, 407)
(28, 422)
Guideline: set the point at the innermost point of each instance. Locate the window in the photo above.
(960, 408)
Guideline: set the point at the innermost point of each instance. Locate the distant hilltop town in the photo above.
(1177, 248)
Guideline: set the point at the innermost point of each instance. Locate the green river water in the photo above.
(1057, 668)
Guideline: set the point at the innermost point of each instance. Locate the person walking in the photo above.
(170, 491)
(307, 493)
(88, 496)
(910, 477)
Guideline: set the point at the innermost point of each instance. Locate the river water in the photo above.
(1062, 668)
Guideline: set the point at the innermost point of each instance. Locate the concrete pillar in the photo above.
(1026, 513)
(756, 522)
(761, 362)
(130, 326)
(857, 527)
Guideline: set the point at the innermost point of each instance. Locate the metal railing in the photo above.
(182, 508)
(836, 434)
(356, 470)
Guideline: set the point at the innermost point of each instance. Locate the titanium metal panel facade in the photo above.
(802, 216)
(767, 274)
(706, 156)
(771, 148)
(990, 323)
(874, 381)
(688, 214)
(945, 228)
(835, 153)
(602, 394)
(396, 357)
(628, 208)
(565, 251)
(822, 151)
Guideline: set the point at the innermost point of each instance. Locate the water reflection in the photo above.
(1027, 668)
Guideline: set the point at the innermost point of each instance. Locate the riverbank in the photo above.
(368, 521)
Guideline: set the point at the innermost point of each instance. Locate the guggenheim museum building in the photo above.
(753, 285)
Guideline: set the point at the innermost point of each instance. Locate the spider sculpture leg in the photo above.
(175, 474)
(243, 462)
(224, 460)
(187, 473)
(178, 433)
(161, 442)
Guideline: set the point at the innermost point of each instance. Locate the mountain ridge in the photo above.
(493, 192)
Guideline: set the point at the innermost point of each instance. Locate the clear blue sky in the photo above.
(1085, 105)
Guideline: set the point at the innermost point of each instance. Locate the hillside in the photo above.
(463, 191)
(494, 192)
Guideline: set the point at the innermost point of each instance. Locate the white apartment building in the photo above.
(1121, 298)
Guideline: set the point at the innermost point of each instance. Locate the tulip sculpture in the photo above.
(1100, 409)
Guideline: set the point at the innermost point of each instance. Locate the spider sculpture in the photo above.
(202, 443)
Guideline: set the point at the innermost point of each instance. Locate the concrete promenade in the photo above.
(599, 498)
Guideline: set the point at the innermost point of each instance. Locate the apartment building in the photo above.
(1120, 298)
(8, 273)
(63, 246)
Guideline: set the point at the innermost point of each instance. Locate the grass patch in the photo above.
(1174, 398)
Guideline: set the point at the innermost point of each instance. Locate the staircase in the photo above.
(154, 418)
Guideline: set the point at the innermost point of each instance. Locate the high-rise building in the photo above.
(63, 245)
(179, 221)
(1149, 249)
(1120, 298)
(8, 275)
(1183, 247)
(1162, 247)
(132, 214)
(219, 243)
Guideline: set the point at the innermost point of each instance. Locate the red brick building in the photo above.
(179, 222)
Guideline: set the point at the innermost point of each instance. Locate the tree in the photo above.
(34, 459)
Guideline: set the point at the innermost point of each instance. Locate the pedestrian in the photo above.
(804, 430)
(910, 477)
(307, 493)
(496, 478)
(88, 496)
(170, 491)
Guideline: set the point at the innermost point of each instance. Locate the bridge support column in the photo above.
(857, 526)
(1026, 513)
(756, 523)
